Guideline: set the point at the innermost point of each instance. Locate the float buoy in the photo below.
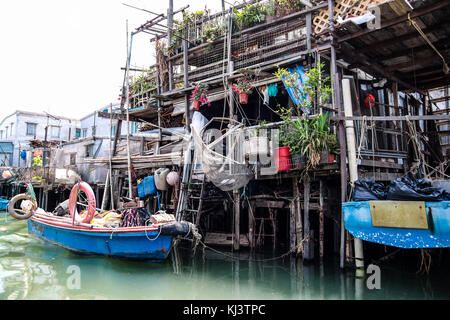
(172, 178)
(86, 188)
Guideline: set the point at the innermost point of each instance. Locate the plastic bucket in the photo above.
(146, 187)
(283, 159)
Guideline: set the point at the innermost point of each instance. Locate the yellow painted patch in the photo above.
(399, 214)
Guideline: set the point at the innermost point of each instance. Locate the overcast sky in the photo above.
(65, 56)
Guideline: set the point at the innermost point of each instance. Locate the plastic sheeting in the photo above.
(294, 94)
(406, 188)
(368, 189)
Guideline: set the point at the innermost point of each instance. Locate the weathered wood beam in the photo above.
(446, 98)
(116, 116)
(414, 14)
(409, 64)
(405, 37)
(440, 45)
(371, 67)
(427, 80)
(392, 118)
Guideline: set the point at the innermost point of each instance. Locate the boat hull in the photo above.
(134, 243)
(358, 221)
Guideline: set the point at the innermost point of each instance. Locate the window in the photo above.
(73, 159)
(55, 131)
(89, 150)
(134, 127)
(31, 129)
(77, 133)
(84, 133)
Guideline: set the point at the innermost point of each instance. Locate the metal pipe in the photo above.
(127, 107)
(352, 161)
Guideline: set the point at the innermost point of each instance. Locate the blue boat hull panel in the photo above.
(144, 245)
(358, 221)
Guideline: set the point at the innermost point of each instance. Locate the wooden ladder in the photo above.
(194, 193)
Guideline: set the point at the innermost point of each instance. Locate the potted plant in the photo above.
(243, 87)
(316, 138)
(289, 138)
(199, 95)
(305, 135)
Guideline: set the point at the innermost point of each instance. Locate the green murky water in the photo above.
(30, 269)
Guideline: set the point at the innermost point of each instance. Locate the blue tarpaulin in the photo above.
(298, 100)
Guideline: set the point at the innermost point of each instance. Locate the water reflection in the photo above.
(30, 269)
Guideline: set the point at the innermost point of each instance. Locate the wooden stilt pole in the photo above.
(298, 216)
(307, 254)
(251, 225)
(237, 216)
(321, 220)
(292, 234)
(46, 199)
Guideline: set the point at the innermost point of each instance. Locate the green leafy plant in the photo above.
(243, 85)
(303, 134)
(188, 29)
(284, 7)
(249, 15)
(315, 86)
(37, 161)
(37, 178)
(309, 136)
(142, 83)
(212, 33)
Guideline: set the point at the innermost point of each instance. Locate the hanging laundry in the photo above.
(23, 155)
(272, 89)
(266, 95)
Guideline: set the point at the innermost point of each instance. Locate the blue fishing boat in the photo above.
(150, 242)
(3, 204)
(79, 235)
(403, 224)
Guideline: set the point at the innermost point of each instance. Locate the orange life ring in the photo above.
(86, 188)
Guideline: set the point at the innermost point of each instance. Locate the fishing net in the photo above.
(222, 169)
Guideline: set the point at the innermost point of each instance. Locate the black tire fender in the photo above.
(17, 213)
